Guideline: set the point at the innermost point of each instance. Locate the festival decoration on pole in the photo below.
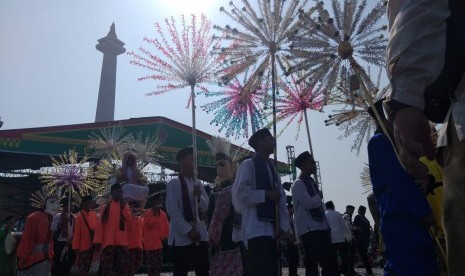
(352, 117)
(325, 43)
(144, 148)
(113, 142)
(299, 97)
(263, 35)
(104, 173)
(185, 61)
(108, 143)
(39, 198)
(69, 173)
(365, 179)
(238, 105)
(222, 145)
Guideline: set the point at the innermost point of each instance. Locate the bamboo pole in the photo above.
(308, 132)
(273, 89)
(367, 96)
(194, 145)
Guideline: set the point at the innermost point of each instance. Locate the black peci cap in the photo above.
(300, 160)
(259, 134)
(184, 152)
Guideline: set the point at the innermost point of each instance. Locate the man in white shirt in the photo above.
(188, 233)
(311, 222)
(340, 235)
(423, 50)
(258, 195)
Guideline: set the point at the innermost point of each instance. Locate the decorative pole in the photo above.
(308, 132)
(265, 28)
(194, 145)
(185, 61)
(298, 98)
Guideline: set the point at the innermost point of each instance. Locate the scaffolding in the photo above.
(290, 161)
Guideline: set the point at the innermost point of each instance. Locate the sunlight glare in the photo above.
(189, 6)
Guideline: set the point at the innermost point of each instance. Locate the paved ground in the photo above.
(361, 271)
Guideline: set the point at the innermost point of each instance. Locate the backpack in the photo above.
(439, 94)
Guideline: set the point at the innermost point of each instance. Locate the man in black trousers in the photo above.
(362, 237)
(311, 222)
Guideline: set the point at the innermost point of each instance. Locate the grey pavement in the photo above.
(301, 272)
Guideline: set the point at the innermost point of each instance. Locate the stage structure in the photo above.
(25, 154)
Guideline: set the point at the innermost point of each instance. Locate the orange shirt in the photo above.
(81, 239)
(109, 233)
(156, 228)
(36, 237)
(134, 232)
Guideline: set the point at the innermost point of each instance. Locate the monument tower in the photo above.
(111, 47)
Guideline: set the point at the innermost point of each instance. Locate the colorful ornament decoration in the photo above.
(39, 198)
(220, 145)
(325, 42)
(298, 98)
(237, 107)
(110, 142)
(184, 60)
(259, 41)
(103, 173)
(352, 117)
(221, 150)
(69, 174)
(144, 148)
(262, 35)
(181, 58)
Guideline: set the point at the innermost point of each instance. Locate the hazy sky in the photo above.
(50, 73)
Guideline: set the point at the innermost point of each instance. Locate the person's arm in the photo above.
(243, 192)
(27, 241)
(174, 207)
(127, 213)
(165, 225)
(345, 228)
(98, 236)
(357, 226)
(415, 58)
(300, 194)
(284, 219)
(416, 46)
(204, 200)
(385, 167)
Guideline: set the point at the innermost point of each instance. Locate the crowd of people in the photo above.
(238, 229)
(114, 240)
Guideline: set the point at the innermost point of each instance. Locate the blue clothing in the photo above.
(402, 206)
